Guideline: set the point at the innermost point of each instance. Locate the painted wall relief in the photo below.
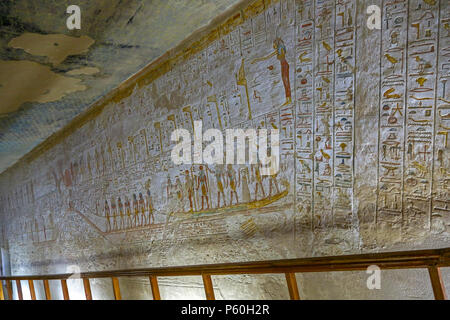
(288, 65)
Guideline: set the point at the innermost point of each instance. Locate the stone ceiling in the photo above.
(49, 74)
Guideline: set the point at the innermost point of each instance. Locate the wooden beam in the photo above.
(155, 288)
(292, 286)
(9, 289)
(65, 290)
(209, 290)
(116, 288)
(48, 294)
(32, 291)
(87, 288)
(437, 283)
(19, 290)
(385, 260)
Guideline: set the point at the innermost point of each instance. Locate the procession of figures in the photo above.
(203, 189)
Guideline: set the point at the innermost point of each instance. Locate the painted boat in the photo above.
(98, 222)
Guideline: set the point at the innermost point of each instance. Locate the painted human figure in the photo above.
(218, 173)
(243, 180)
(31, 230)
(280, 53)
(114, 213)
(258, 178)
(36, 229)
(169, 188)
(128, 212)
(107, 216)
(178, 191)
(231, 175)
(202, 183)
(26, 236)
(273, 181)
(142, 209)
(148, 198)
(189, 188)
(121, 213)
(43, 228)
(136, 210)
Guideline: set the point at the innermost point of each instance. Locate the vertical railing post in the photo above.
(32, 292)
(292, 286)
(65, 290)
(87, 288)
(116, 288)
(2, 295)
(437, 283)
(155, 288)
(19, 289)
(9, 289)
(48, 294)
(209, 290)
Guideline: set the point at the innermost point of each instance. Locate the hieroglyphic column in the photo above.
(392, 113)
(421, 97)
(367, 105)
(323, 161)
(304, 93)
(344, 35)
(441, 168)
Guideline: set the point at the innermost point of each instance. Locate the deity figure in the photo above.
(280, 53)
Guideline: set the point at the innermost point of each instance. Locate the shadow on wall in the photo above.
(4, 263)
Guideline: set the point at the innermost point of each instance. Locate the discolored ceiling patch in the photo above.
(56, 47)
(85, 71)
(128, 35)
(28, 81)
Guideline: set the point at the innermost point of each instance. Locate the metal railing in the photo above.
(433, 260)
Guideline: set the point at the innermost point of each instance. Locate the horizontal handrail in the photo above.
(432, 259)
(384, 260)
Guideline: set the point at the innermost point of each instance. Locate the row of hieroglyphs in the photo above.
(291, 66)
